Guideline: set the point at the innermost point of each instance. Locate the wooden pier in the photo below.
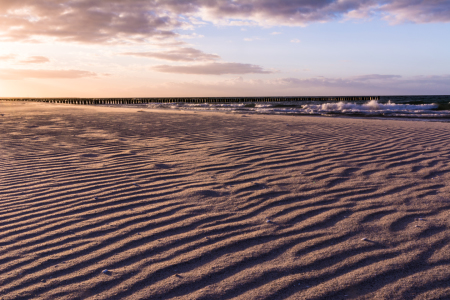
(119, 101)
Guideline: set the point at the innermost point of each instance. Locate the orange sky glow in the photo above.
(142, 48)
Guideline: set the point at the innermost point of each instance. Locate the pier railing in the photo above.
(118, 101)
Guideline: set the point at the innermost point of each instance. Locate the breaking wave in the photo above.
(399, 108)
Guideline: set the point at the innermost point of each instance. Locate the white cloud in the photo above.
(255, 38)
(191, 36)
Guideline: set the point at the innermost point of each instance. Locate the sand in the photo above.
(184, 205)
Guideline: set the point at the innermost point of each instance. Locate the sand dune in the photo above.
(183, 205)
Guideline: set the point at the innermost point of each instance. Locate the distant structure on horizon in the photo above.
(100, 101)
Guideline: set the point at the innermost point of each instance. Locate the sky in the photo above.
(182, 48)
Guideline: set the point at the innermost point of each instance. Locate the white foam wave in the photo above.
(371, 108)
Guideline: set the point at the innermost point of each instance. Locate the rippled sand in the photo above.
(182, 205)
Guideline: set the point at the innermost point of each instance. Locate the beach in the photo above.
(104, 202)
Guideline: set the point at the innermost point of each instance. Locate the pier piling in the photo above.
(119, 101)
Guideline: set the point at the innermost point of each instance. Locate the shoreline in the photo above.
(187, 111)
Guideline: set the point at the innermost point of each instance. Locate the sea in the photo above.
(423, 108)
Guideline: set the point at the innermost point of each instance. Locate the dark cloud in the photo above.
(35, 60)
(87, 21)
(283, 12)
(181, 54)
(18, 74)
(213, 69)
(301, 12)
(122, 21)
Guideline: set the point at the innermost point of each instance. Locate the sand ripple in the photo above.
(215, 206)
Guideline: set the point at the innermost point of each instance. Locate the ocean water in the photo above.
(426, 108)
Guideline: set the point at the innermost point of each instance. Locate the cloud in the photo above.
(29, 60)
(86, 21)
(19, 74)
(312, 86)
(277, 12)
(432, 11)
(8, 57)
(370, 84)
(255, 38)
(124, 21)
(323, 86)
(295, 41)
(330, 82)
(191, 36)
(213, 69)
(181, 54)
(301, 13)
(375, 77)
(35, 60)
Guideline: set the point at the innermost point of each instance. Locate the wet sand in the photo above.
(184, 205)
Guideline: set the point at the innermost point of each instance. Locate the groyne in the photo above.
(118, 101)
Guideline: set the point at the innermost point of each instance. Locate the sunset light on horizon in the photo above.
(174, 48)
